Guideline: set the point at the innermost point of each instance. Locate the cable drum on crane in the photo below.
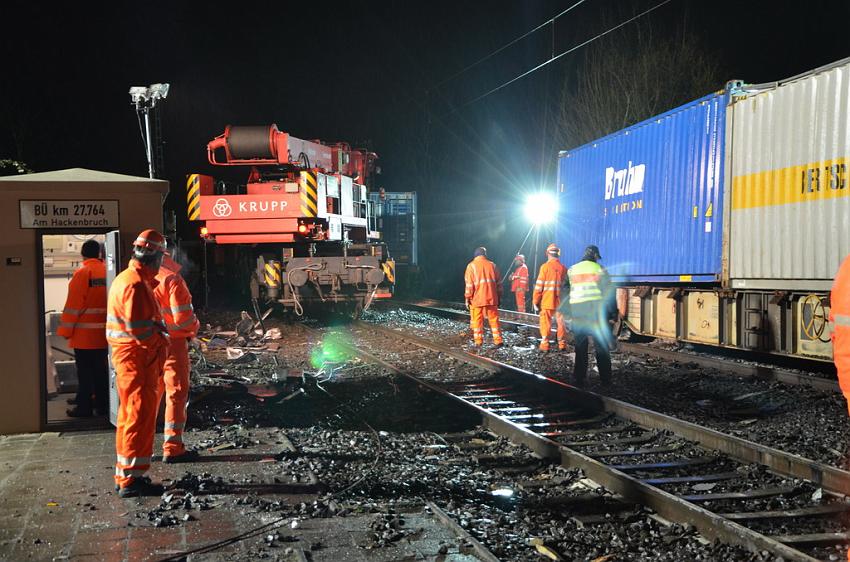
(249, 142)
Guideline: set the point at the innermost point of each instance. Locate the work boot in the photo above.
(188, 456)
(77, 412)
(71, 401)
(499, 345)
(141, 486)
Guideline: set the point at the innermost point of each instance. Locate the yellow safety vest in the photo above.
(584, 282)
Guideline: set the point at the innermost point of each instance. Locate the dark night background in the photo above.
(371, 72)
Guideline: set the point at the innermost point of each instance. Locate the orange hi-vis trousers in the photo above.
(175, 386)
(546, 326)
(520, 300)
(476, 322)
(841, 356)
(138, 372)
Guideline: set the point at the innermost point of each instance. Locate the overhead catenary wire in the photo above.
(427, 90)
(506, 45)
(562, 54)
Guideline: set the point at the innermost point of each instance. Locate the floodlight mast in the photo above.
(145, 99)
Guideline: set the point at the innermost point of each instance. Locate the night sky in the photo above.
(366, 72)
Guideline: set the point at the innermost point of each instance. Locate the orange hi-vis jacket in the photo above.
(84, 316)
(482, 282)
(550, 280)
(839, 315)
(175, 301)
(132, 311)
(519, 279)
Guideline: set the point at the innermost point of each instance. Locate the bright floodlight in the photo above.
(148, 95)
(541, 208)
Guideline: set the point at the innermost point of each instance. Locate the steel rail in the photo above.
(481, 551)
(795, 466)
(765, 372)
(668, 505)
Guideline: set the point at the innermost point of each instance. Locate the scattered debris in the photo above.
(245, 327)
(541, 547)
(273, 334)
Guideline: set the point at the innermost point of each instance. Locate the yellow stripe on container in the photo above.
(828, 179)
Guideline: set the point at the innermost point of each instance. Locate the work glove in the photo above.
(535, 308)
(468, 304)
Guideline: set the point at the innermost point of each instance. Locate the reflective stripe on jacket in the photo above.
(519, 279)
(175, 301)
(547, 289)
(482, 282)
(839, 315)
(84, 316)
(132, 312)
(585, 280)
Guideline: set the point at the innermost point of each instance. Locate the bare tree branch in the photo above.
(627, 78)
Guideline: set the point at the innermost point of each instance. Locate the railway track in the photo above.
(746, 494)
(762, 371)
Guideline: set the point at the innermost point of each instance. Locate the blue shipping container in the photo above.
(650, 196)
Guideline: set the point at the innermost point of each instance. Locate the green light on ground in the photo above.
(331, 350)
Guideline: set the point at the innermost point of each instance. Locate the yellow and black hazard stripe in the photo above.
(193, 196)
(389, 270)
(308, 192)
(272, 274)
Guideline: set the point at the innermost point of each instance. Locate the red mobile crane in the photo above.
(305, 214)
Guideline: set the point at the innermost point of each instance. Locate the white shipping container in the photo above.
(788, 181)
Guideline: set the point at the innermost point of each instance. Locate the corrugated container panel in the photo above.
(650, 196)
(790, 181)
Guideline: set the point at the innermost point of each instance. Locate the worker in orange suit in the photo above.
(483, 293)
(839, 315)
(139, 340)
(175, 302)
(82, 324)
(547, 297)
(519, 282)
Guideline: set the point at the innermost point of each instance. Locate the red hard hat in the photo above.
(553, 250)
(150, 241)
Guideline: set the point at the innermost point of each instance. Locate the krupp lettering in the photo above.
(627, 181)
(261, 206)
